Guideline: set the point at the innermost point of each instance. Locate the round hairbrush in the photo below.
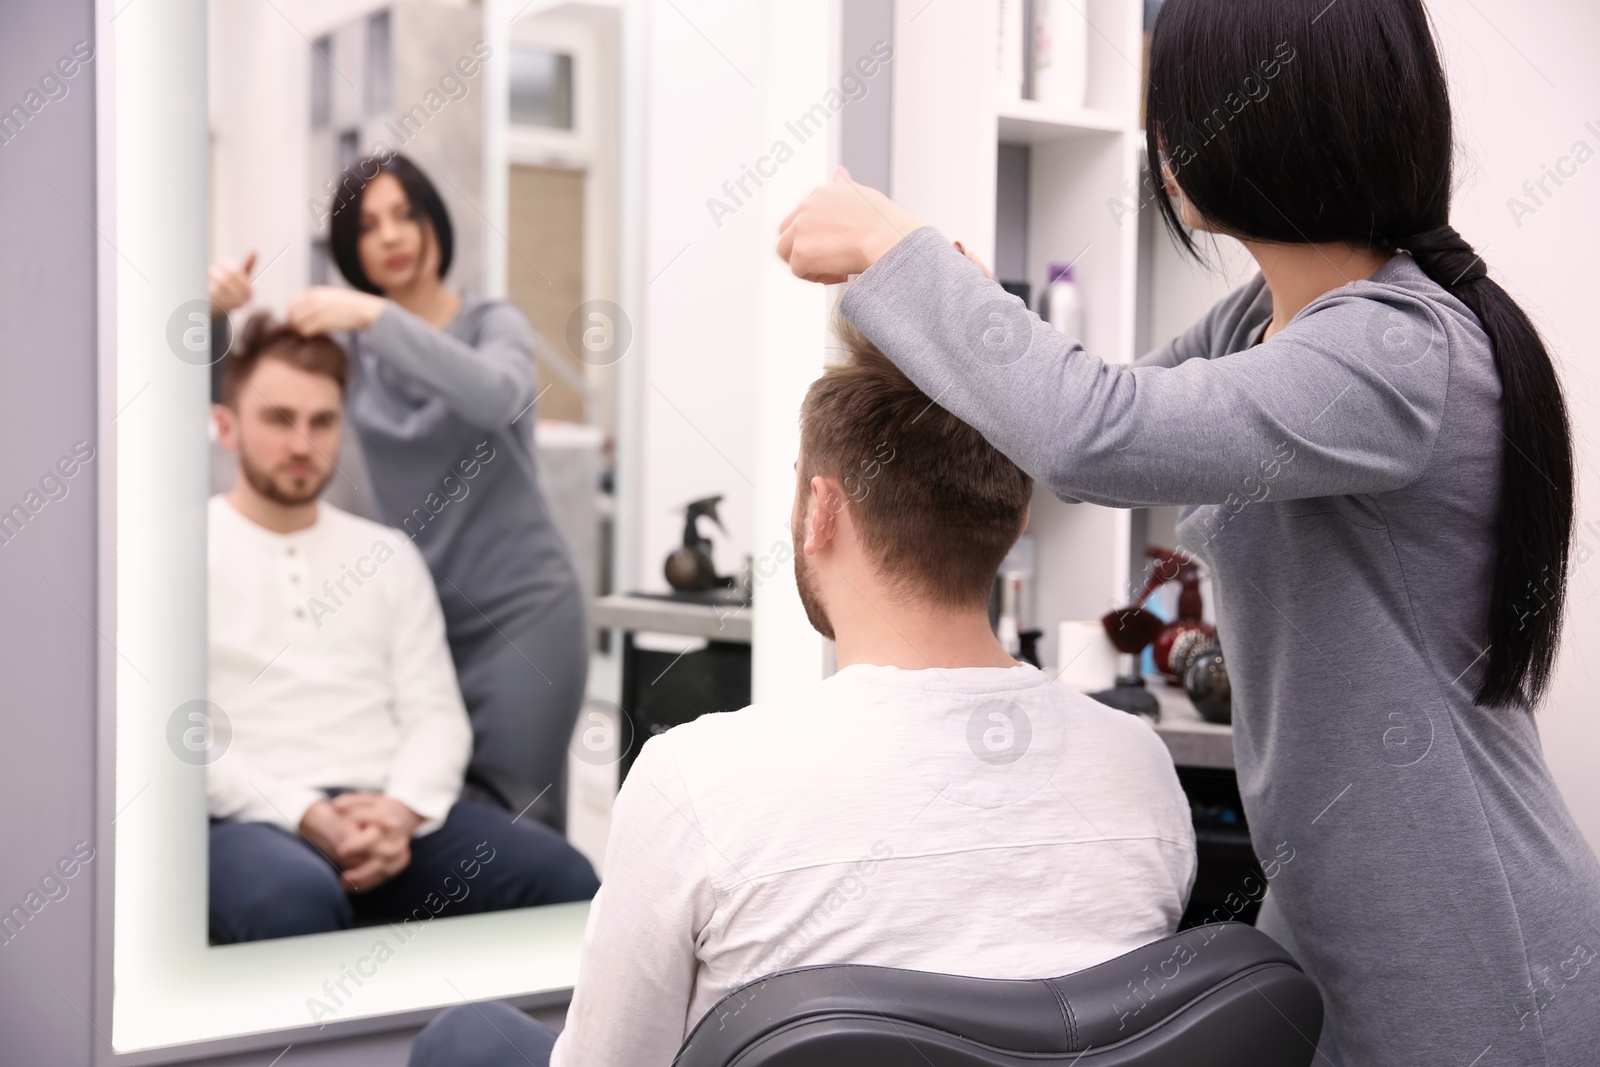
(1131, 629)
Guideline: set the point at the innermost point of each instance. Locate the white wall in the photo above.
(1525, 83)
(259, 143)
(697, 329)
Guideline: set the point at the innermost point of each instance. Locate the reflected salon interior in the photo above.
(695, 532)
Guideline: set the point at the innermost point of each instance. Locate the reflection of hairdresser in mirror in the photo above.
(443, 384)
(1371, 442)
(338, 799)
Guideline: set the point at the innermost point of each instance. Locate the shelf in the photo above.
(1030, 122)
(1192, 741)
(731, 622)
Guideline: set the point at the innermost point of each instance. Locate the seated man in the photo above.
(934, 805)
(335, 798)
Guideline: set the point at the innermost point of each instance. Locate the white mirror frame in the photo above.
(162, 992)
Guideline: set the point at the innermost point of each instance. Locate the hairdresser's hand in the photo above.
(228, 284)
(973, 256)
(326, 309)
(841, 229)
(385, 826)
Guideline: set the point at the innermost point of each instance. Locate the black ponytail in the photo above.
(1536, 485)
(1295, 121)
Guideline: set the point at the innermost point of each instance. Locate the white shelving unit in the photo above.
(1030, 122)
(949, 125)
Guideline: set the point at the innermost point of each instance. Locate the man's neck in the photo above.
(1297, 274)
(279, 518)
(873, 628)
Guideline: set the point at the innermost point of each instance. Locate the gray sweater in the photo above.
(444, 420)
(1341, 482)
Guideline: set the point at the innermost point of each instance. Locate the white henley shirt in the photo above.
(975, 821)
(328, 658)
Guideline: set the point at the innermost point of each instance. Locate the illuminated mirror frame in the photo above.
(162, 992)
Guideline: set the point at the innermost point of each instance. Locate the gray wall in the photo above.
(49, 647)
(47, 567)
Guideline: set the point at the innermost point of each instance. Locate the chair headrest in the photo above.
(1110, 1003)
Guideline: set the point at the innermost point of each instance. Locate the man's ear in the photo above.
(226, 421)
(822, 517)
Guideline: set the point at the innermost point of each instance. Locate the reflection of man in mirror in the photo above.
(336, 800)
(934, 805)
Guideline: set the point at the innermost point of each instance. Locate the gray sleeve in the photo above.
(1200, 340)
(488, 384)
(1345, 400)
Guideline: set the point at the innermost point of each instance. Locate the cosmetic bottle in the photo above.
(1060, 53)
(1063, 306)
(1012, 43)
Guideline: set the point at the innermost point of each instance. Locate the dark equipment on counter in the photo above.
(1133, 628)
(1030, 646)
(1183, 636)
(1206, 680)
(690, 569)
(1130, 630)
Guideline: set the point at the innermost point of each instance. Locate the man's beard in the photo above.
(810, 599)
(263, 482)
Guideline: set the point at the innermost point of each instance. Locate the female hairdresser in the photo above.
(1374, 452)
(442, 398)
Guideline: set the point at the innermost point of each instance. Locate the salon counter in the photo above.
(648, 614)
(1192, 741)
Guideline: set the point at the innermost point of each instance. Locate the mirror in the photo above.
(579, 157)
(391, 789)
(406, 455)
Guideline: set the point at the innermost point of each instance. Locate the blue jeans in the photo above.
(267, 882)
(489, 1034)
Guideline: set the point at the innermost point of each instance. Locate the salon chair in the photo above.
(1224, 995)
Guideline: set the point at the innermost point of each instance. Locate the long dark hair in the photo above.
(344, 236)
(1300, 121)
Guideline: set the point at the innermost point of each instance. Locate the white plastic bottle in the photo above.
(1063, 305)
(1013, 42)
(1060, 54)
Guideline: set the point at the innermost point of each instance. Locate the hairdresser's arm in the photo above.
(636, 975)
(1319, 410)
(488, 384)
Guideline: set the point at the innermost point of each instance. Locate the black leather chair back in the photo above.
(1224, 995)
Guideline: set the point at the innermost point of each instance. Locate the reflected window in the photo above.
(321, 82)
(541, 87)
(321, 263)
(349, 149)
(379, 80)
